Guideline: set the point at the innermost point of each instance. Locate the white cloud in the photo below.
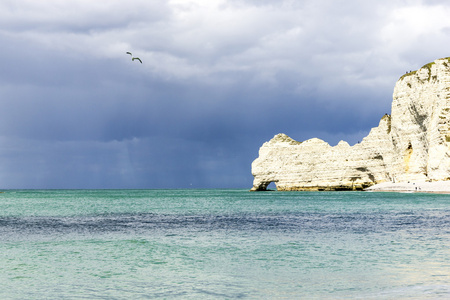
(204, 40)
(408, 30)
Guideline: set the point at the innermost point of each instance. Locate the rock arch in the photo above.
(262, 186)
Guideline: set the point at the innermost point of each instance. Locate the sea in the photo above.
(223, 244)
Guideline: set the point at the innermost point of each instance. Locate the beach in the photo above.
(440, 187)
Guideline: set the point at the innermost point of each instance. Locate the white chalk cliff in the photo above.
(411, 144)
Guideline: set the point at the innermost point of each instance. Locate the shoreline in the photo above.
(435, 187)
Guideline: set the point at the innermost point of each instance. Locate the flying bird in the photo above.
(133, 58)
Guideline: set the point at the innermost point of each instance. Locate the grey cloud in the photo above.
(78, 16)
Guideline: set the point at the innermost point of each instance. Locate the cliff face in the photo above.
(411, 144)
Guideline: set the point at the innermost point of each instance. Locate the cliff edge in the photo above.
(411, 144)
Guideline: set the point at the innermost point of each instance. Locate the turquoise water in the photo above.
(223, 244)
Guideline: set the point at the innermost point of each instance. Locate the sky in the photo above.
(218, 79)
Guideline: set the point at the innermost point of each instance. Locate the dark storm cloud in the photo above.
(218, 79)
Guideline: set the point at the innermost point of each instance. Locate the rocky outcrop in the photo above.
(411, 144)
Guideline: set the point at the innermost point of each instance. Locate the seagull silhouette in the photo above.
(134, 58)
